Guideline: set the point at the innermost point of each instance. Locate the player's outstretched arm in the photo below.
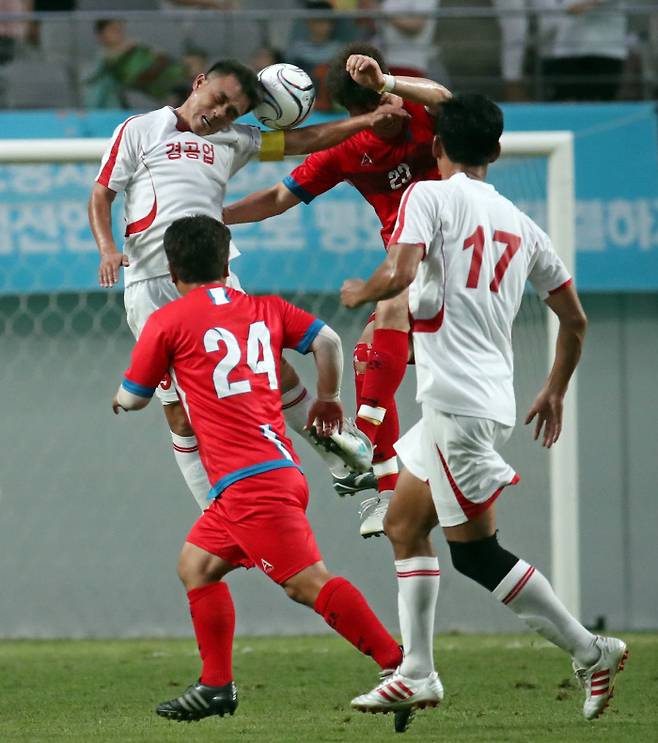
(308, 139)
(392, 277)
(548, 405)
(99, 211)
(366, 71)
(260, 205)
(327, 412)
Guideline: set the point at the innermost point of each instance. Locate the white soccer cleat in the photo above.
(349, 447)
(598, 680)
(396, 692)
(372, 512)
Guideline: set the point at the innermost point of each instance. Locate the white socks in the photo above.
(418, 590)
(186, 451)
(530, 596)
(296, 404)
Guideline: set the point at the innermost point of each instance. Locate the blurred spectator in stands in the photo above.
(314, 52)
(513, 21)
(195, 61)
(585, 49)
(126, 65)
(582, 46)
(408, 38)
(13, 34)
(265, 56)
(36, 26)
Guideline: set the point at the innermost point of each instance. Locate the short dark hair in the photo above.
(469, 127)
(343, 90)
(245, 76)
(197, 248)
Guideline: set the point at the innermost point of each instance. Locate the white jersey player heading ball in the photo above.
(175, 162)
(465, 252)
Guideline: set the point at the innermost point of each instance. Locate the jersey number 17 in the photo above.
(476, 241)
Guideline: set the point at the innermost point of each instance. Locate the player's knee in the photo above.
(289, 377)
(297, 593)
(177, 420)
(393, 314)
(403, 530)
(197, 568)
(188, 571)
(305, 587)
(482, 560)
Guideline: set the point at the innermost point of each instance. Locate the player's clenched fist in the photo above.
(350, 292)
(365, 71)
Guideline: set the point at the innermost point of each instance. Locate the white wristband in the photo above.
(389, 84)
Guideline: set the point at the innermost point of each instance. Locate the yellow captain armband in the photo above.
(272, 146)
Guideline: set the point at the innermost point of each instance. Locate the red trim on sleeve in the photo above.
(472, 510)
(401, 215)
(562, 286)
(145, 222)
(106, 173)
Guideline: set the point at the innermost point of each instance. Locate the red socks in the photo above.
(213, 617)
(345, 610)
(386, 365)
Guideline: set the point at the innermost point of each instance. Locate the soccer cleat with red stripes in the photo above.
(396, 692)
(599, 679)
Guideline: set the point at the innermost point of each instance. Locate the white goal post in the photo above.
(557, 147)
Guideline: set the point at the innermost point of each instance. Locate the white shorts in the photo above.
(142, 299)
(456, 455)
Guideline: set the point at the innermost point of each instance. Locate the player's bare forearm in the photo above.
(308, 139)
(260, 205)
(421, 90)
(100, 221)
(547, 407)
(328, 354)
(391, 278)
(571, 336)
(99, 211)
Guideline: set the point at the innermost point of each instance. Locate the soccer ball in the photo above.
(288, 96)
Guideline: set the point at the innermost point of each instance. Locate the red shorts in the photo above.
(261, 521)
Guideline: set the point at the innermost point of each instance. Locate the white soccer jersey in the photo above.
(479, 251)
(166, 174)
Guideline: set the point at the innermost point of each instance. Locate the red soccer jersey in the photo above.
(379, 169)
(224, 348)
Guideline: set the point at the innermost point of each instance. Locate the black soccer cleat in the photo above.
(354, 482)
(199, 701)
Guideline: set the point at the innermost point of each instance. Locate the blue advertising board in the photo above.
(45, 243)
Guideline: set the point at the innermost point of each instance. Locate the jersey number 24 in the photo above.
(260, 358)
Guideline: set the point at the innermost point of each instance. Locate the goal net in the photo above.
(85, 495)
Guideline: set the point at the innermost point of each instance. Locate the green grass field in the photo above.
(502, 688)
